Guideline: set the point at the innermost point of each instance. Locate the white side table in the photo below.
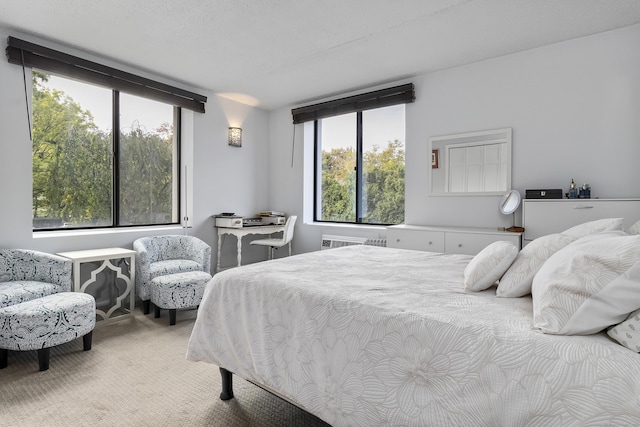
(105, 256)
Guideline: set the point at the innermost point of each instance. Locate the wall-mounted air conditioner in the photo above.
(330, 241)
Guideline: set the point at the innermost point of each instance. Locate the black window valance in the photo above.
(402, 94)
(32, 55)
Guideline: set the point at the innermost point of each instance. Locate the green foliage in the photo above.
(73, 167)
(338, 185)
(146, 177)
(383, 185)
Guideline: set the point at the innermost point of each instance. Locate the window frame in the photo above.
(30, 55)
(401, 94)
(317, 173)
(116, 169)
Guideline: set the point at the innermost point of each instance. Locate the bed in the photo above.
(371, 336)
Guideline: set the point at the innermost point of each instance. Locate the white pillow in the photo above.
(593, 227)
(634, 229)
(588, 285)
(489, 265)
(627, 333)
(517, 281)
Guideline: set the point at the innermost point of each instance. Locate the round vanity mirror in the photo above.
(510, 202)
(508, 206)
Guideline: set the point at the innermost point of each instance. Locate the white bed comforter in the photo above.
(375, 336)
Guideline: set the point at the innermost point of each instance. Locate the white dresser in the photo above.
(454, 240)
(542, 217)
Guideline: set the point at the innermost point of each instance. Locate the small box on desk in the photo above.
(555, 193)
(228, 221)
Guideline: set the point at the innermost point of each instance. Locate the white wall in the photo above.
(575, 112)
(221, 177)
(573, 107)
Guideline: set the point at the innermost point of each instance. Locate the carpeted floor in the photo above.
(136, 374)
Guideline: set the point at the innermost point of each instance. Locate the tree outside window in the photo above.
(78, 181)
(360, 175)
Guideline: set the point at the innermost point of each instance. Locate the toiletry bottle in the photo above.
(573, 191)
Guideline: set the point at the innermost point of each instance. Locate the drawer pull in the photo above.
(583, 207)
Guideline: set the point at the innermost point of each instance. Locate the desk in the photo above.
(104, 256)
(240, 233)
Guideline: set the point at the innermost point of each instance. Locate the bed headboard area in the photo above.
(542, 217)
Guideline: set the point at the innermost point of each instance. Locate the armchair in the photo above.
(164, 255)
(26, 275)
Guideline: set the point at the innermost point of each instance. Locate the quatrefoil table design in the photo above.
(104, 257)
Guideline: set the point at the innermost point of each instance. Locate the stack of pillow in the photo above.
(582, 280)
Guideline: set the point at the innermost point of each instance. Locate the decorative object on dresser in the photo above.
(455, 240)
(544, 217)
(554, 193)
(509, 205)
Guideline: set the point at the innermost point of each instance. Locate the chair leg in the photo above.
(172, 316)
(43, 358)
(86, 341)
(146, 306)
(4, 358)
(156, 311)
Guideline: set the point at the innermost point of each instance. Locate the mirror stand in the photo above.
(508, 205)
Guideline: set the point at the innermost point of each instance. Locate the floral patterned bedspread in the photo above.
(372, 336)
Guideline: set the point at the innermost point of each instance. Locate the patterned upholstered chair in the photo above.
(26, 275)
(37, 309)
(165, 255)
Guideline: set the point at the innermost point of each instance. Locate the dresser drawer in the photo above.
(454, 240)
(472, 243)
(421, 240)
(540, 218)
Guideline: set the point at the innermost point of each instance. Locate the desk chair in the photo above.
(287, 235)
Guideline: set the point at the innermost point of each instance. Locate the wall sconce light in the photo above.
(235, 137)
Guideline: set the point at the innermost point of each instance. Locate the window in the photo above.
(106, 149)
(360, 166)
(101, 158)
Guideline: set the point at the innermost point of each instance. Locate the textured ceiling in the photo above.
(274, 53)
